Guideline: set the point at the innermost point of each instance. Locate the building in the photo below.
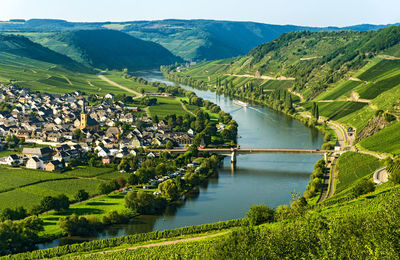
(87, 122)
(54, 165)
(34, 163)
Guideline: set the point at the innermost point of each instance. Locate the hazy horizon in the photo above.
(314, 13)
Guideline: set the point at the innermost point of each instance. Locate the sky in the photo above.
(297, 12)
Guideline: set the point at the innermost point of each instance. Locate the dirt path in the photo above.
(260, 77)
(354, 79)
(297, 94)
(165, 243)
(104, 78)
(67, 79)
(185, 108)
(388, 57)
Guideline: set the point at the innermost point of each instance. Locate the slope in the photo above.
(109, 49)
(354, 77)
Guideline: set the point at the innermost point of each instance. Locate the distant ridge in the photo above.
(189, 39)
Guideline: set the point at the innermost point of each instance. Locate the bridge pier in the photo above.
(326, 158)
(233, 157)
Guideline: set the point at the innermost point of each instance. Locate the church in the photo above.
(87, 122)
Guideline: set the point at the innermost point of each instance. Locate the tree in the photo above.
(81, 195)
(260, 214)
(13, 214)
(169, 189)
(104, 188)
(169, 145)
(133, 179)
(364, 186)
(144, 202)
(61, 202)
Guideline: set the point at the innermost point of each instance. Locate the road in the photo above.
(380, 175)
(104, 78)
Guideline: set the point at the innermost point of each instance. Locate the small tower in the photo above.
(83, 117)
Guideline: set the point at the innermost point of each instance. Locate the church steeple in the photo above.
(83, 116)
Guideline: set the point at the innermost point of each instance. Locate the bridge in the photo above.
(234, 152)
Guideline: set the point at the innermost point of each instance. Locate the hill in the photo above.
(353, 76)
(109, 49)
(22, 47)
(190, 39)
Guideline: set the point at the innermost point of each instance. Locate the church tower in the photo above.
(83, 117)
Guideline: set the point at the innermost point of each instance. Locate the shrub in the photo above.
(363, 187)
(13, 214)
(81, 195)
(259, 214)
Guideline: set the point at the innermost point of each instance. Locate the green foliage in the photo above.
(364, 186)
(260, 214)
(13, 214)
(144, 202)
(169, 189)
(77, 226)
(81, 195)
(131, 239)
(19, 236)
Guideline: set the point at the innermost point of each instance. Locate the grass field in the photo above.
(352, 167)
(98, 206)
(372, 90)
(167, 106)
(47, 77)
(38, 184)
(385, 141)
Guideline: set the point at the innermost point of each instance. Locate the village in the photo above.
(51, 130)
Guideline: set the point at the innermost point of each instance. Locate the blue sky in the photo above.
(298, 12)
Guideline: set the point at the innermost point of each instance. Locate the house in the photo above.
(113, 132)
(38, 152)
(190, 132)
(62, 156)
(106, 160)
(337, 146)
(109, 96)
(12, 159)
(54, 165)
(34, 163)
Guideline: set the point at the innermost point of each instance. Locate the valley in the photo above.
(87, 121)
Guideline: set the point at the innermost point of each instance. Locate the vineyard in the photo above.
(385, 141)
(97, 245)
(352, 167)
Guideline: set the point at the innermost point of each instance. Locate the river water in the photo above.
(258, 178)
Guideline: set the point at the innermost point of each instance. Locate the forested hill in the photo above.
(109, 49)
(189, 39)
(22, 47)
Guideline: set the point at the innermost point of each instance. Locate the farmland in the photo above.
(385, 141)
(97, 206)
(354, 166)
(167, 106)
(338, 109)
(24, 187)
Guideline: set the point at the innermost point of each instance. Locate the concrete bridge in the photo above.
(234, 152)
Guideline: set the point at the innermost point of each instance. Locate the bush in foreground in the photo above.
(260, 214)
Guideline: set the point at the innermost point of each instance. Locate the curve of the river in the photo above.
(258, 178)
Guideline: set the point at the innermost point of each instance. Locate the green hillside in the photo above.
(106, 49)
(353, 76)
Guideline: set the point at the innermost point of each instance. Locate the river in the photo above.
(258, 178)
